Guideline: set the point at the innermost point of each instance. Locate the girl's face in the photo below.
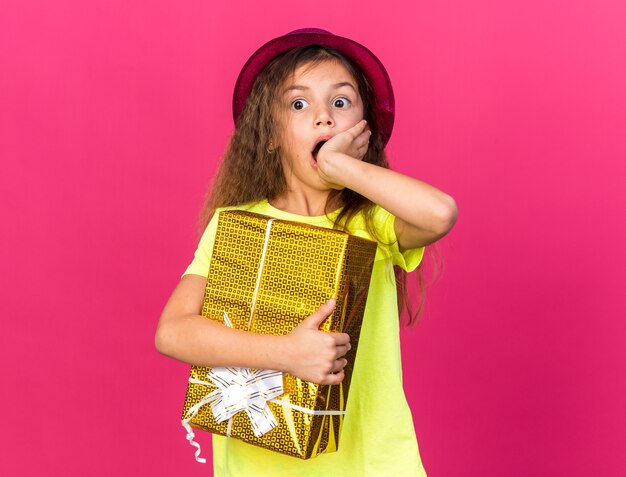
(316, 103)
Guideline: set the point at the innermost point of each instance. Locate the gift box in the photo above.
(266, 275)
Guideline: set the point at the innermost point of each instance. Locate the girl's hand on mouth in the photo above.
(349, 144)
(352, 142)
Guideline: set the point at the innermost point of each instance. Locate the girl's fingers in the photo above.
(362, 150)
(360, 144)
(340, 338)
(341, 350)
(334, 378)
(358, 128)
(338, 365)
(364, 138)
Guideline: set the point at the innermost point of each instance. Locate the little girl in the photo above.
(313, 113)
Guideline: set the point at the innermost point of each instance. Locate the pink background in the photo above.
(113, 115)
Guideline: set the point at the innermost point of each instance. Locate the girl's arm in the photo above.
(423, 213)
(306, 352)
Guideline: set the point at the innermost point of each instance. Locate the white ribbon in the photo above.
(244, 389)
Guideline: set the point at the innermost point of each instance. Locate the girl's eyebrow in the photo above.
(304, 88)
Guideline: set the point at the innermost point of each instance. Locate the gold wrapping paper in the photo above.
(301, 268)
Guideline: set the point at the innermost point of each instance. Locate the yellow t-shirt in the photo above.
(377, 438)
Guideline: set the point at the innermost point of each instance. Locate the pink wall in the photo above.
(112, 117)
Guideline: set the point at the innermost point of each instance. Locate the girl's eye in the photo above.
(299, 104)
(341, 102)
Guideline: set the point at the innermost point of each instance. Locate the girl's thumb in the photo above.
(315, 319)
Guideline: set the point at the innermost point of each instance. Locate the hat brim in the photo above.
(371, 66)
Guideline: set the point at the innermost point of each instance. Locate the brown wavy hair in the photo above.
(251, 169)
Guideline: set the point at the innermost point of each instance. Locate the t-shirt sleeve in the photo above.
(202, 255)
(409, 259)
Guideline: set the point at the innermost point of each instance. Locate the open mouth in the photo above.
(317, 148)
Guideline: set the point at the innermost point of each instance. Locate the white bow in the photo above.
(245, 389)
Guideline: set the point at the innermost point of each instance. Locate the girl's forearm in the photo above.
(200, 341)
(417, 203)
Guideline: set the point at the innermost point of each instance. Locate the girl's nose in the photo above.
(323, 118)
